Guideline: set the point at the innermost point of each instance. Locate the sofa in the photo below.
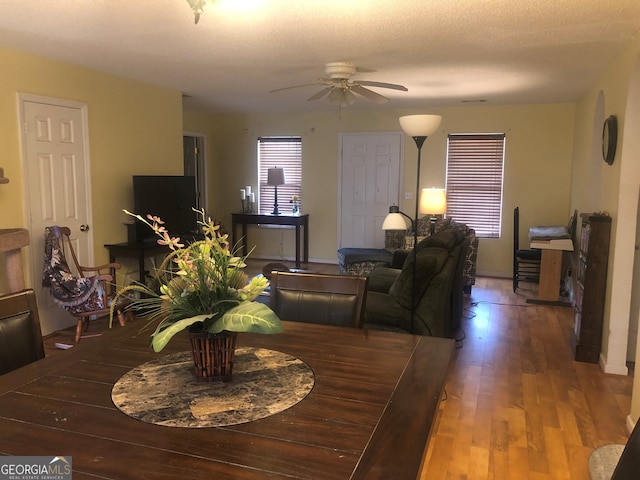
(362, 261)
(437, 299)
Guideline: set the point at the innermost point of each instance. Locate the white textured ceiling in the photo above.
(444, 51)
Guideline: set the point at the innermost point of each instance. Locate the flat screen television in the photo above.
(172, 198)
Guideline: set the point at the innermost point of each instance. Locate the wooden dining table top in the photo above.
(368, 415)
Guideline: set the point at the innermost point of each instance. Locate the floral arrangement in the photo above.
(200, 287)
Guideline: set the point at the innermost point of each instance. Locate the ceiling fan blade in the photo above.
(294, 86)
(383, 85)
(368, 94)
(319, 95)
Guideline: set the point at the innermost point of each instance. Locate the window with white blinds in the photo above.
(286, 153)
(474, 181)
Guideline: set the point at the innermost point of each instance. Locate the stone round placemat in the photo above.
(166, 392)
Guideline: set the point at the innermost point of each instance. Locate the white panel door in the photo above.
(57, 187)
(370, 182)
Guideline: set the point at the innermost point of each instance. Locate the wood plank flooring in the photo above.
(517, 406)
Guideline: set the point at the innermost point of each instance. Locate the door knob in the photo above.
(84, 228)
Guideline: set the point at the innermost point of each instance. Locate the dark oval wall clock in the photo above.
(609, 139)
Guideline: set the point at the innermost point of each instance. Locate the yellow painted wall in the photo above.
(598, 186)
(134, 128)
(537, 167)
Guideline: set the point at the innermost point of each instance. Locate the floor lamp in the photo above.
(418, 127)
(275, 177)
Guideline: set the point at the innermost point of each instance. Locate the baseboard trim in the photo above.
(612, 369)
(630, 423)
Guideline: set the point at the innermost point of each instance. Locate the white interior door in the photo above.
(370, 183)
(56, 164)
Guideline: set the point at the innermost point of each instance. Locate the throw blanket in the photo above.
(74, 294)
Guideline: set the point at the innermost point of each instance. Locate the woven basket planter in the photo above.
(213, 355)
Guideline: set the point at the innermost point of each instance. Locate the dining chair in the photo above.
(20, 334)
(319, 298)
(85, 293)
(526, 262)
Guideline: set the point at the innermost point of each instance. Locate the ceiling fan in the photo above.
(340, 90)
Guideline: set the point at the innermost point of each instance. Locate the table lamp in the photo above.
(433, 201)
(275, 177)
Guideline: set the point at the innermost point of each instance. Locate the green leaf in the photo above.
(160, 338)
(248, 317)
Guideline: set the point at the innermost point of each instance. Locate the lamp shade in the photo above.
(275, 176)
(433, 201)
(420, 125)
(394, 221)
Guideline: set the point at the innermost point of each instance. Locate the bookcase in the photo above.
(591, 284)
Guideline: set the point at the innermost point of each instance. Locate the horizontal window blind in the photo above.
(286, 153)
(474, 181)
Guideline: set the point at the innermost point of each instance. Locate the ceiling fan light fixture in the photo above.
(336, 97)
(349, 97)
(198, 7)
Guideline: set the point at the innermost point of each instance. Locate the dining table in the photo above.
(368, 415)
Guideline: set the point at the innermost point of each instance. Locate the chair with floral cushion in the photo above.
(85, 293)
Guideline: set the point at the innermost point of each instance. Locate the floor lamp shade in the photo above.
(420, 125)
(275, 177)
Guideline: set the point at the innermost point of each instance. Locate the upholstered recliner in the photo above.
(438, 296)
(398, 239)
(362, 261)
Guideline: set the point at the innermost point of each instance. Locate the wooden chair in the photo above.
(85, 293)
(20, 334)
(526, 262)
(314, 298)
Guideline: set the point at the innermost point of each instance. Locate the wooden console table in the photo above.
(140, 251)
(297, 221)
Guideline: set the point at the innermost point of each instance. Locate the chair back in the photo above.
(20, 334)
(516, 229)
(315, 298)
(526, 262)
(62, 236)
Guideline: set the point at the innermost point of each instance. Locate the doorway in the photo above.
(55, 160)
(369, 184)
(194, 148)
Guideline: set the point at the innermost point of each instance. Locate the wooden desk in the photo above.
(369, 415)
(550, 267)
(298, 221)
